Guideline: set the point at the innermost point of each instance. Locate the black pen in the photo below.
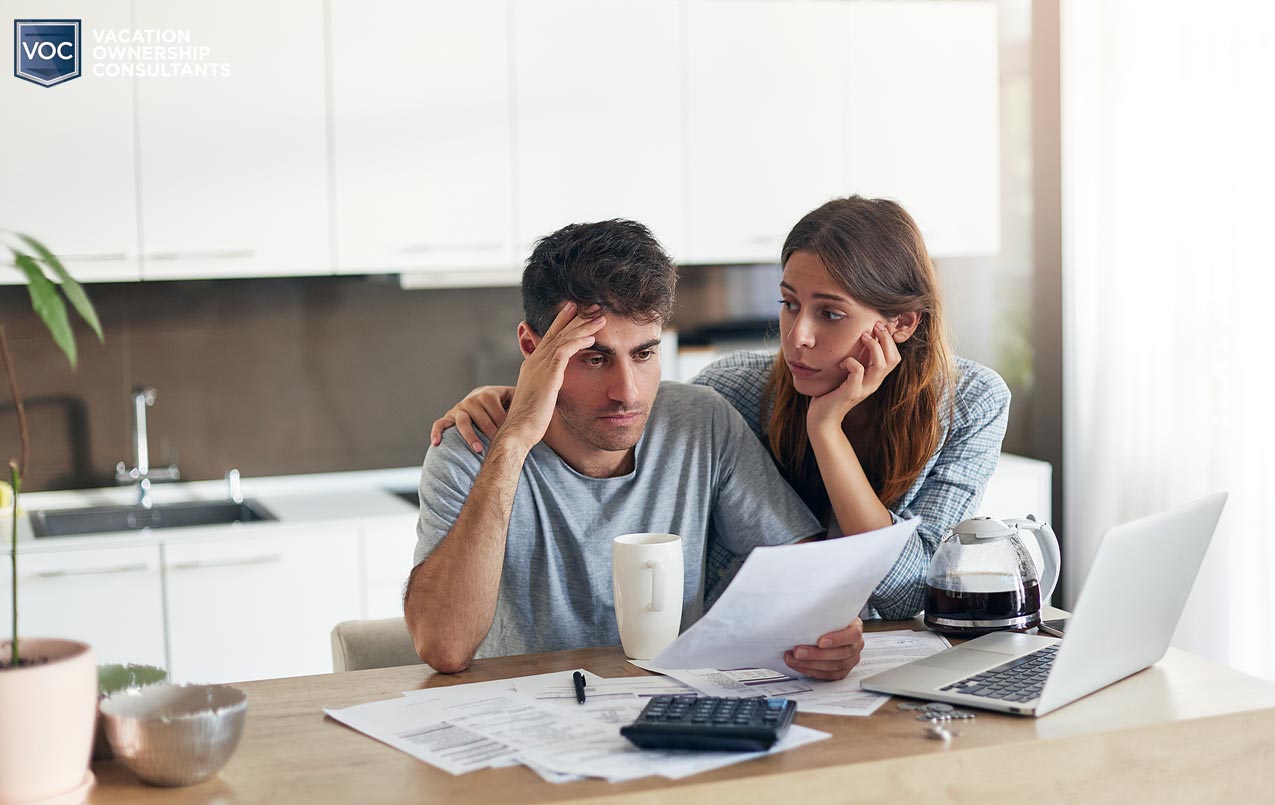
(578, 678)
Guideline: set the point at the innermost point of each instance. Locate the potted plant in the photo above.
(48, 687)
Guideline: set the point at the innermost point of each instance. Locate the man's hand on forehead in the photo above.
(540, 377)
(589, 311)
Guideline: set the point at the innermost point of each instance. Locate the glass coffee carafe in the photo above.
(983, 579)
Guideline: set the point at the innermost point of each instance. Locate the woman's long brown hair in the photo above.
(874, 250)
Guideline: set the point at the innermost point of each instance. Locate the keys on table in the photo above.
(936, 711)
(937, 715)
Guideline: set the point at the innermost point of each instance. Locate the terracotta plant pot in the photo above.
(47, 715)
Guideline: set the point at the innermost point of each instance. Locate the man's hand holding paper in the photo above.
(832, 657)
(804, 591)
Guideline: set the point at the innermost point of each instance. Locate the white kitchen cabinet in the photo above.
(598, 116)
(387, 556)
(66, 156)
(423, 175)
(764, 132)
(234, 178)
(259, 606)
(110, 598)
(1019, 487)
(922, 116)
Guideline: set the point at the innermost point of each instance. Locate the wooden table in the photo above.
(1184, 730)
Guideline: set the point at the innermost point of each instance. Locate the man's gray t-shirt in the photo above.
(699, 472)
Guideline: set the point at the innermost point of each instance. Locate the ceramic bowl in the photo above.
(175, 734)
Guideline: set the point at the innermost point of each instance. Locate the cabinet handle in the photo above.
(207, 254)
(93, 571)
(105, 257)
(252, 560)
(421, 248)
(761, 240)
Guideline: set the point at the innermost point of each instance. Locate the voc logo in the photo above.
(46, 52)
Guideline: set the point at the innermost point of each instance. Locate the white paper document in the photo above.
(739, 683)
(614, 758)
(881, 651)
(416, 724)
(416, 727)
(788, 595)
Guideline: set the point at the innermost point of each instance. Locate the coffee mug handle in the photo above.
(657, 585)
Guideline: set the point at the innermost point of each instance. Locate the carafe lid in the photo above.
(983, 528)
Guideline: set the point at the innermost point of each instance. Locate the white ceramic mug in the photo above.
(646, 577)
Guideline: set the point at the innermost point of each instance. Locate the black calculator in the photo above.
(711, 722)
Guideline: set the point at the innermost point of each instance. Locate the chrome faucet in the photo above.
(142, 474)
(234, 489)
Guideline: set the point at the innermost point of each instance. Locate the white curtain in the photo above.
(1168, 168)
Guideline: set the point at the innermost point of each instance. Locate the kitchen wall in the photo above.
(273, 376)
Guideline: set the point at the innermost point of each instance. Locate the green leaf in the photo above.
(48, 304)
(74, 292)
(114, 678)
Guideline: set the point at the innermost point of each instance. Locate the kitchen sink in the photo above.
(412, 496)
(99, 519)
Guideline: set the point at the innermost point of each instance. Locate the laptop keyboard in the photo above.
(1019, 680)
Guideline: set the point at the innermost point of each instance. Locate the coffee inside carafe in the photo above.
(977, 603)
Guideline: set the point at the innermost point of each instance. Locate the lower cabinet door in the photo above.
(387, 560)
(259, 608)
(110, 598)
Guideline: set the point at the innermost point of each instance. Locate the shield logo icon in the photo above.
(46, 52)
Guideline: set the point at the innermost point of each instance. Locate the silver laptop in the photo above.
(1123, 621)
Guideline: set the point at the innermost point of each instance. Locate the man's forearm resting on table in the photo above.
(451, 596)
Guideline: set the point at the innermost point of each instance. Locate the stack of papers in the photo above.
(536, 721)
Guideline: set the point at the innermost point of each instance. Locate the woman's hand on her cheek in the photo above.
(831, 408)
(881, 356)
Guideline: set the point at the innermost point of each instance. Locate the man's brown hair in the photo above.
(617, 265)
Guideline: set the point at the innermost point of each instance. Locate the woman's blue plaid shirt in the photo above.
(946, 492)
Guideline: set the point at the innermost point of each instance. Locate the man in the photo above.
(514, 545)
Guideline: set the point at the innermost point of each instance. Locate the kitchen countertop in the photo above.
(330, 498)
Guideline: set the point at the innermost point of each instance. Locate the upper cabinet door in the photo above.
(234, 166)
(598, 116)
(923, 116)
(421, 135)
(66, 155)
(765, 139)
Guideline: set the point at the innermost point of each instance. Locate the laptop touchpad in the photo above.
(966, 661)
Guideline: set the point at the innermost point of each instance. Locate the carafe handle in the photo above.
(1048, 541)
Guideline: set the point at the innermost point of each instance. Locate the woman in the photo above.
(868, 415)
